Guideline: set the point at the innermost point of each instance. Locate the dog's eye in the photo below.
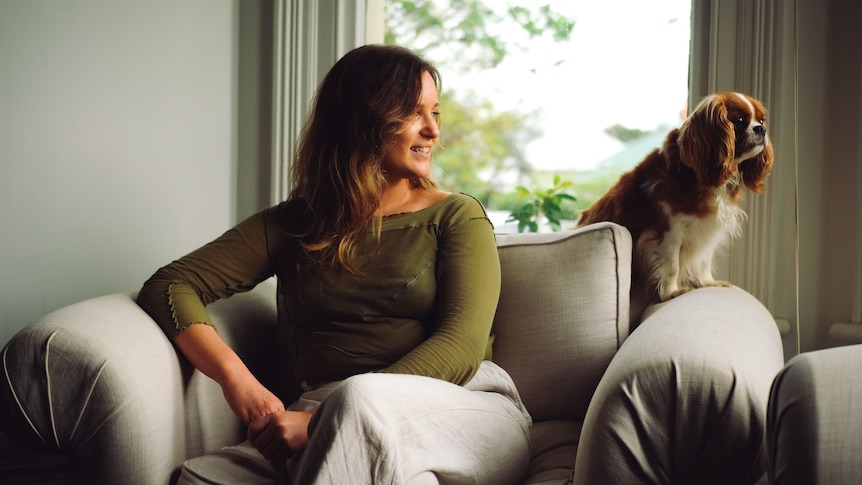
(739, 121)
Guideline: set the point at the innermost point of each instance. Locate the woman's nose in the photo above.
(430, 128)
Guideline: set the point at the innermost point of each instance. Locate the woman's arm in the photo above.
(176, 296)
(468, 289)
(245, 395)
(276, 433)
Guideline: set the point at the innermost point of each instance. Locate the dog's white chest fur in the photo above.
(682, 258)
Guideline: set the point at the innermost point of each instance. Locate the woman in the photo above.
(390, 287)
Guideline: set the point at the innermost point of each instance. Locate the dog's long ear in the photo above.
(754, 170)
(707, 142)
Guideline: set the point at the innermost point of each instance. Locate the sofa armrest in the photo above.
(684, 400)
(815, 418)
(99, 382)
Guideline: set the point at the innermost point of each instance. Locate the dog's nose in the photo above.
(760, 130)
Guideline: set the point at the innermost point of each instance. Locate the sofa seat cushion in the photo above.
(552, 452)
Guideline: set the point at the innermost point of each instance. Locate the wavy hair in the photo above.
(337, 176)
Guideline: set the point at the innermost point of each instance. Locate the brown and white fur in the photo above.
(682, 201)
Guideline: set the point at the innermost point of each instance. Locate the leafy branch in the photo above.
(543, 202)
(464, 33)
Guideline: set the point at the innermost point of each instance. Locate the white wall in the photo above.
(117, 144)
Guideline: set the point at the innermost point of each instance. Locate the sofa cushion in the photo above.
(553, 448)
(563, 313)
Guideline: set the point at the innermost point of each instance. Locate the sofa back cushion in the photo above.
(563, 313)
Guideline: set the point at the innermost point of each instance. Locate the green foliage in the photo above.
(479, 145)
(543, 202)
(463, 29)
(625, 134)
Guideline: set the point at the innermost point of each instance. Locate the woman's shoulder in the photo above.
(465, 202)
(454, 208)
(287, 217)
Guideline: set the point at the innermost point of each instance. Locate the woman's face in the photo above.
(409, 154)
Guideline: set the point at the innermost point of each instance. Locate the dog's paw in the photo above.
(718, 283)
(674, 294)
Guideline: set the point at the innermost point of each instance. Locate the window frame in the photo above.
(735, 45)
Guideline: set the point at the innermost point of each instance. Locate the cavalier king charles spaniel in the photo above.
(683, 200)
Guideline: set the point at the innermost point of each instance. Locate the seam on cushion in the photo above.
(580, 231)
(15, 395)
(598, 228)
(48, 385)
(616, 243)
(631, 397)
(617, 266)
(618, 278)
(86, 402)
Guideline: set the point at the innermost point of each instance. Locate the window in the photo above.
(586, 104)
(766, 49)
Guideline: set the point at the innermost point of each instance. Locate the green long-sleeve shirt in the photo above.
(423, 303)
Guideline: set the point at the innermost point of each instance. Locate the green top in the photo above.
(423, 303)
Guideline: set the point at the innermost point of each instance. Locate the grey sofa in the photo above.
(681, 398)
(814, 419)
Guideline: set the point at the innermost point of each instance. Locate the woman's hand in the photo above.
(281, 434)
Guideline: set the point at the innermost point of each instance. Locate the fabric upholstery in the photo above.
(100, 382)
(815, 419)
(684, 399)
(563, 313)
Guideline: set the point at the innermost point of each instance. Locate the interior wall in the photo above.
(839, 168)
(810, 138)
(820, 156)
(254, 106)
(117, 144)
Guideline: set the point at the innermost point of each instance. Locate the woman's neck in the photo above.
(398, 197)
(405, 197)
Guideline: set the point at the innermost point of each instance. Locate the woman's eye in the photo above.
(435, 115)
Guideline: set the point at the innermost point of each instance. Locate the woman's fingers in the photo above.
(278, 435)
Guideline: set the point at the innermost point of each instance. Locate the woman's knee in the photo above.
(357, 396)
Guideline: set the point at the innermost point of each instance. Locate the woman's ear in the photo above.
(707, 143)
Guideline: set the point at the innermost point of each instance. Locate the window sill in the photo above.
(783, 326)
(847, 332)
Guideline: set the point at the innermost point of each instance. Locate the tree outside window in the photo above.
(538, 92)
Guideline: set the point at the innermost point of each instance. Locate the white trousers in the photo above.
(393, 429)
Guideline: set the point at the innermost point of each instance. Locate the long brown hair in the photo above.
(336, 176)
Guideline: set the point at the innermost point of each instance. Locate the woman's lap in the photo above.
(388, 428)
